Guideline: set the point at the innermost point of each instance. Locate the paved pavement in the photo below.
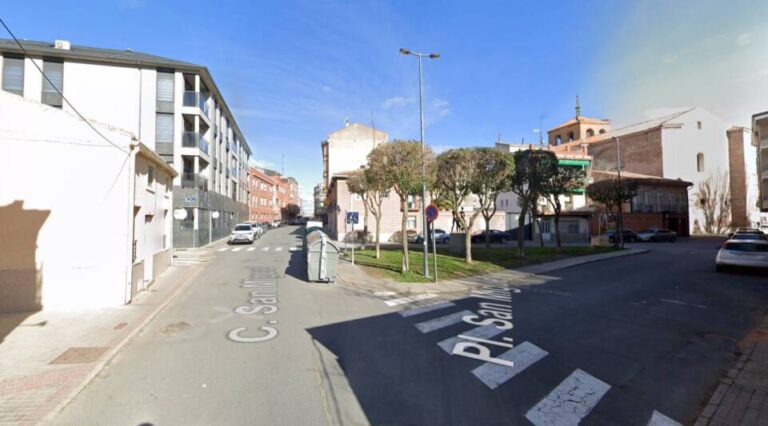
(632, 341)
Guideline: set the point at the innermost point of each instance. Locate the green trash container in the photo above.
(308, 231)
(322, 257)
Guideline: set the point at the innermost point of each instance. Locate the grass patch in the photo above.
(451, 265)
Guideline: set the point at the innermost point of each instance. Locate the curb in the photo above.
(107, 358)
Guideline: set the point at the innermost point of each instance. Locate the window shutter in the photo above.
(13, 75)
(55, 72)
(164, 128)
(165, 86)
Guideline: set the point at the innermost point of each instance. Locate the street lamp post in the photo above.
(620, 218)
(419, 55)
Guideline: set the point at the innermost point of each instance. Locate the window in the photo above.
(573, 227)
(411, 222)
(13, 75)
(55, 73)
(164, 128)
(601, 131)
(698, 124)
(150, 177)
(165, 86)
(411, 202)
(700, 162)
(558, 140)
(570, 136)
(590, 133)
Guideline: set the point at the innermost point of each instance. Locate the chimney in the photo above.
(62, 44)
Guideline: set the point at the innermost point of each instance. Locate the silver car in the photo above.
(742, 253)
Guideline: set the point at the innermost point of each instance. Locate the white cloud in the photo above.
(744, 39)
(396, 102)
(671, 59)
(262, 164)
(441, 107)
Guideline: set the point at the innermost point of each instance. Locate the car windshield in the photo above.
(748, 247)
(749, 237)
(243, 228)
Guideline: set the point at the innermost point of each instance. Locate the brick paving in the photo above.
(741, 397)
(32, 389)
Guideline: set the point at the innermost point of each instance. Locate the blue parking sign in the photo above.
(353, 218)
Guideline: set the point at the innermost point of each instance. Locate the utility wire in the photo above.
(59, 91)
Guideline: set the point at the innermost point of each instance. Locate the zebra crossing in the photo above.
(236, 249)
(566, 404)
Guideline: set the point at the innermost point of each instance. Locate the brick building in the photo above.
(261, 204)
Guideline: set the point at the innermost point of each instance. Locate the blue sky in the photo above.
(292, 71)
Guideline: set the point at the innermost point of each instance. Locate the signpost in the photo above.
(352, 219)
(432, 212)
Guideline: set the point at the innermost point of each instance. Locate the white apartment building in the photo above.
(760, 143)
(82, 223)
(347, 149)
(173, 107)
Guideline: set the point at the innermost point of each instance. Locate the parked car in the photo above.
(412, 235)
(441, 237)
(742, 253)
(242, 233)
(657, 235)
(749, 236)
(496, 236)
(746, 232)
(628, 235)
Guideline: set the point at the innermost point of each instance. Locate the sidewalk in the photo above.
(49, 356)
(355, 276)
(741, 398)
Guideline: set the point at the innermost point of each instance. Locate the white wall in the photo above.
(83, 248)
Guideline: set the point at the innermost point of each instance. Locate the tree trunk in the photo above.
(521, 232)
(468, 247)
(405, 264)
(378, 233)
(487, 233)
(535, 220)
(365, 224)
(558, 243)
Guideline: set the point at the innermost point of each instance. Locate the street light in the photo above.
(405, 51)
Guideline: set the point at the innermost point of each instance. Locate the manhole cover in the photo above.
(79, 355)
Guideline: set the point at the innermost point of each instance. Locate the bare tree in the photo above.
(407, 166)
(713, 198)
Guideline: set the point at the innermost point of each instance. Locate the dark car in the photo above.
(657, 235)
(629, 236)
(495, 236)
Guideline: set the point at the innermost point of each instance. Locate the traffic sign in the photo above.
(353, 218)
(432, 212)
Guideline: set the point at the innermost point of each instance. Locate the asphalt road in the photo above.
(607, 343)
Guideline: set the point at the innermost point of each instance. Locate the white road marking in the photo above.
(384, 293)
(237, 249)
(677, 302)
(485, 332)
(438, 323)
(250, 249)
(423, 309)
(658, 419)
(278, 249)
(404, 300)
(570, 401)
(265, 249)
(522, 356)
(223, 249)
(294, 249)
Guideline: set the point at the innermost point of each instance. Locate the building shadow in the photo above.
(21, 282)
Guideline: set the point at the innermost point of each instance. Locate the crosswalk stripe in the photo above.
(404, 300)
(265, 249)
(570, 401)
(484, 332)
(250, 249)
(658, 419)
(424, 309)
(293, 249)
(438, 323)
(384, 293)
(278, 249)
(237, 249)
(522, 356)
(223, 249)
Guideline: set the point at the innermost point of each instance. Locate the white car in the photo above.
(742, 253)
(242, 233)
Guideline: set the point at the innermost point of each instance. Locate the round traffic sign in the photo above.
(432, 212)
(180, 214)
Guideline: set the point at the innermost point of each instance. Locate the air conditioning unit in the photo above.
(62, 44)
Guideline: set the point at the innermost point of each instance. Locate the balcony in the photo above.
(194, 180)
(196, 99)
(194, 140)
(233, 172)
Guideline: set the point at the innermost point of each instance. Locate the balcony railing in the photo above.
(233, 172)
(196, 99)
(194, 180)
(194, 140)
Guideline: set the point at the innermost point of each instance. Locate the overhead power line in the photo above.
(88, 122)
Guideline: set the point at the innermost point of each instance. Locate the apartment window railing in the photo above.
(196, 99)
(194, 180)
(194, 140)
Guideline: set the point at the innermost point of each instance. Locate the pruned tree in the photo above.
(492, 171)
(566, 180)
(407, 166)
(533, 167)
(713, 198)
(612, 194)
(358, 184)
(378, 184)
(456, 173)
(291, 211)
